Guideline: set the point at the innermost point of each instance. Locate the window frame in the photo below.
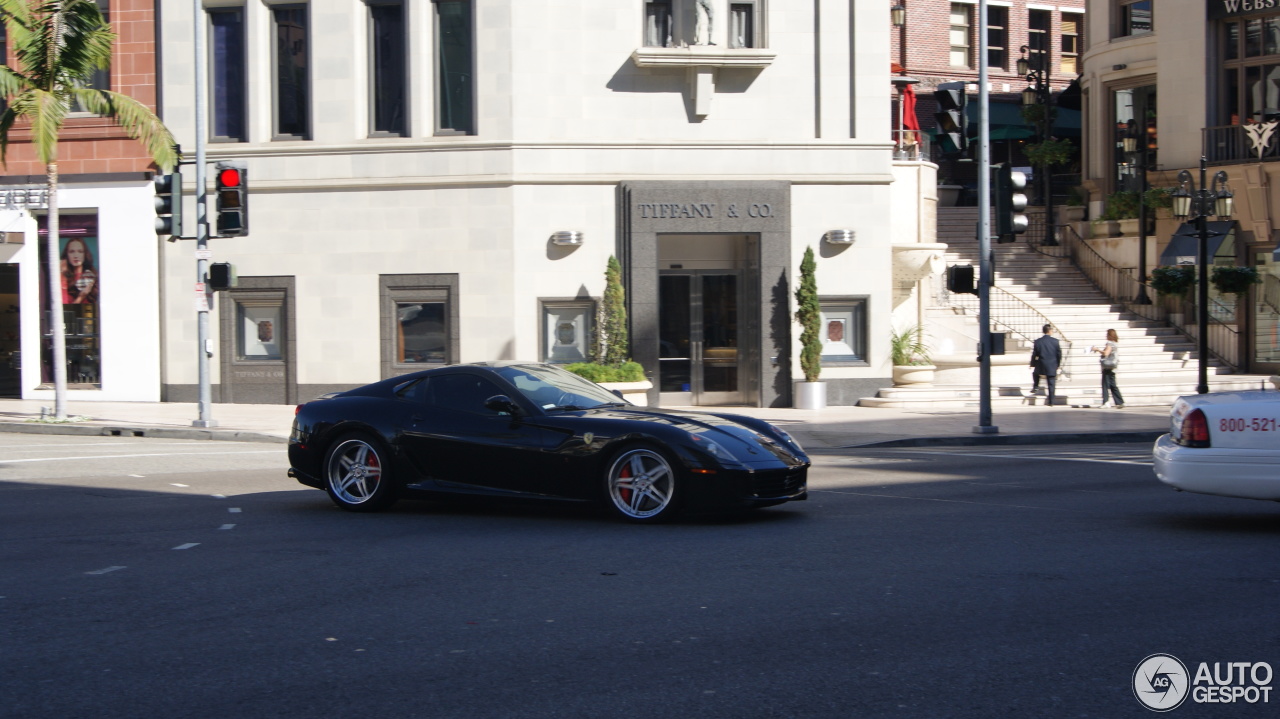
(306, 86)
(1122, 18)
(101, 78)
(967, 48)
(440, 85)
(1071, 43)
(1235, 71)
(1002, 28)
(423, 288)
(858, 309)
(588, 305)
(757, 24)
(1040, 40)
(375, 67)
(650, 7)
(214, 75)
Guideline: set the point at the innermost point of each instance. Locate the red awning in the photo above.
(909, 119)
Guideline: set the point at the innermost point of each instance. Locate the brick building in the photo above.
(106, 204)
(938, 42)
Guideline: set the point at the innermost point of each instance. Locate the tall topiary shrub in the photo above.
(613, 347)
(808, 315)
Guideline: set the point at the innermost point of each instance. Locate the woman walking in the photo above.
(1110, 360)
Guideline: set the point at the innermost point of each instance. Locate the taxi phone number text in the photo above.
(1256, 424)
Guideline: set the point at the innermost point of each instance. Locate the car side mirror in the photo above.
(618, 393)
(502, 404)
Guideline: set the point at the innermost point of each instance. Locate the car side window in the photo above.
(461, 392)
(413, 391)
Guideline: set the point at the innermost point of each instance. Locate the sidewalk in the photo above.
(832, 427)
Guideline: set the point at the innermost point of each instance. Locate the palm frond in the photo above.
(48, 114)
(12, 82)
(137, 120)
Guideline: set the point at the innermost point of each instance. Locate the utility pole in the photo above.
(985, 268)
(204, 297)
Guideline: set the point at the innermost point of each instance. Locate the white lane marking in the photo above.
(188, 545)
(1023, 457)
(175, 484)
(234, 510)
(218, 496)
(132, 456)
(111, 441)
(139, 476)
(104, 571)
(935, 499)
(227, 526)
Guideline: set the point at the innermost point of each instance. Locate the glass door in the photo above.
(698, 335)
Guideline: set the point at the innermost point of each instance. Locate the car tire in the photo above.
(641, 484)
(357, 474)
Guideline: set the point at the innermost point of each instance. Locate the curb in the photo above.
(1018, 439)
(100, 430)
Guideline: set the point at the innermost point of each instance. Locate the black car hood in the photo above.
(745, 442)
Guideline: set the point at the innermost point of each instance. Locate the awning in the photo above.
(1006, 122)
(1184, 244)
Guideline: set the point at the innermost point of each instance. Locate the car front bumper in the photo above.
(1244, 473)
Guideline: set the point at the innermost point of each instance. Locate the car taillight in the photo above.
(1195, 430)
(297, 409)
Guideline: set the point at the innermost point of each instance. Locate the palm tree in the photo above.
(58, 44)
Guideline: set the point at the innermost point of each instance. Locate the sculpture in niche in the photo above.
(704, 17)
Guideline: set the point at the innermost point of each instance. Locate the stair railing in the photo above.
(1121, 287)
(1012, 314)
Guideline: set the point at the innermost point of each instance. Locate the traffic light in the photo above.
(222, 276)
(1010, 201)
(232, 181)
(953, 124)
(169, 204)
(960, 280)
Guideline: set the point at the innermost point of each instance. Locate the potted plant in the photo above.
(1159, 199)
(1122, 208)
(1234, 280)
(1174, 281)
(1074, 209)
(910, 356)
(610, 364)
(809, 394)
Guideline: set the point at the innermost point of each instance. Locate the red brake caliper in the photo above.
(625, 491)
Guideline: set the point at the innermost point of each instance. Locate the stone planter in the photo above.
(633, 392)
(913, 375)
(1071, 213)
(810, 395)
(949, 195)
(1104, 228)
(1129, 228)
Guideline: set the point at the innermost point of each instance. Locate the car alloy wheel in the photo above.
(356, 475)
(642, 485)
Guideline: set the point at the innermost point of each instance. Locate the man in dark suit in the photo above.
(1046, 355)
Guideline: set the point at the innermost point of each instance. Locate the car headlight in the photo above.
(785, 436)
(713, 448)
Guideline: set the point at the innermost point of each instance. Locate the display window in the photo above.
(77, 298)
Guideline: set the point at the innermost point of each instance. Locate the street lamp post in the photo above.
(1135, 141)
(1038, 92)
(1197, 205)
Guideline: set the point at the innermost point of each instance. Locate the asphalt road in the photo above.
(161, 578)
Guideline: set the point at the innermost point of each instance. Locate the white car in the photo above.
(1225, 443)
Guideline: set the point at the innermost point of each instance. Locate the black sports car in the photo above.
(522, 429)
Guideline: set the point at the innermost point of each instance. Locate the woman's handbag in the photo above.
(1111, 361)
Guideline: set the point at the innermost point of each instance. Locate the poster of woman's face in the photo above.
(80, 278)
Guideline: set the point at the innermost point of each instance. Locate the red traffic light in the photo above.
(229, 177)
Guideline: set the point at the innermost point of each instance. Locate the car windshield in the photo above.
(553, 388)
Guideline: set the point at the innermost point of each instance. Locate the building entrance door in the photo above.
(10, 332)
(699, 358)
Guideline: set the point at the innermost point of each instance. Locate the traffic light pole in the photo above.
(203, 296)
(985, 268)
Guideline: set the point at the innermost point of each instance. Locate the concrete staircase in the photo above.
(1157, 363)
